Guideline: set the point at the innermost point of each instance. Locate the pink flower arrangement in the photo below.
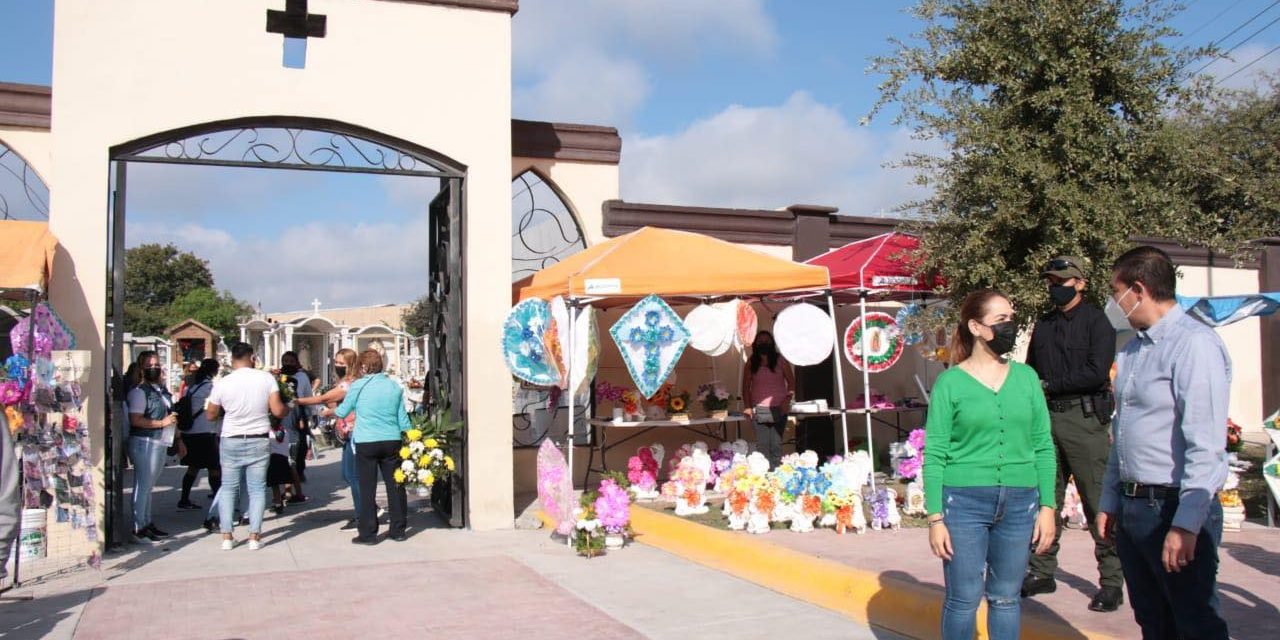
(11, 393)
(613, 507)
(910, 467)
(673, 463)
(916, 439)
(642, 469)
(721, 460)
(606, 391)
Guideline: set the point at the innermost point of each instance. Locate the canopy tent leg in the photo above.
(866, 386)
(835, 336)
(568, 376)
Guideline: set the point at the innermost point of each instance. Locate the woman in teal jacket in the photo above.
(378, 402)
(989, 471)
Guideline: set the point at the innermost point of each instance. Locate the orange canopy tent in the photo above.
(671, 264)
(26, 257)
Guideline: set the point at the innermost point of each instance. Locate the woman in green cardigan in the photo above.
(989, 471)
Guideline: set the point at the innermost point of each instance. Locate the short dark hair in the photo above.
(241, 350)
(1150, 266)
(208, 369)
(289, 354)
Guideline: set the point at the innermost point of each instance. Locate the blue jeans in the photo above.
(1170, 605)
(147, 457)
(991, 530)
(349, 472)
(247, 457)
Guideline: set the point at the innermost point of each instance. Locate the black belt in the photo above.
(1063, 405)
(245, 437)
(1149, 491)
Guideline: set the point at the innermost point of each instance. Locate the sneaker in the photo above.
(351, 524)
(399, 537)
(296, 499)
(364, 541)
(157, 532)
(189, 505)
(228, 545)
(210, 525)
(145, 535)
(254, 544)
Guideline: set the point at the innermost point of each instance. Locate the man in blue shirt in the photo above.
(1168, 460)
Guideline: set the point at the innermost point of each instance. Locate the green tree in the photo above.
(419, 317)
(1054, 113)
(220, 311)
(155, 275)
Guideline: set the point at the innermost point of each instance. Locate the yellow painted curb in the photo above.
(902, 607)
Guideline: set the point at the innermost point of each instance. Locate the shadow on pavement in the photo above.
(907, 607)
(37, 618)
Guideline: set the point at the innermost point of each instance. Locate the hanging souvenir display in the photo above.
(651, 338)
(711, 329)
(803, 334)
(586, 350)
(556, 338)
(524, 343)
(51, 333)
(748, 324)
(909, 318)
(884, 342)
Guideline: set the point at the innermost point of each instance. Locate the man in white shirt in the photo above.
(244, 399)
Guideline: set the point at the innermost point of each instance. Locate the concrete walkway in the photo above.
(309, 581)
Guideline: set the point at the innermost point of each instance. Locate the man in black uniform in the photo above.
(1072, 349)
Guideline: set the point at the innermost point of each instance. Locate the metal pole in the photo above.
(866, 385)
(839, 366)
(568, 376)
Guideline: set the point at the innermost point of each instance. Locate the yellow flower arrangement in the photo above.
(405, 453)
(413, 435)
(424, 461)
(677, 403)
(431, 443)
(399, 475)
(448, 463)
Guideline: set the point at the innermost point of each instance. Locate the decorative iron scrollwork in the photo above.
(543, 229)
(23, 195)
(286, 147)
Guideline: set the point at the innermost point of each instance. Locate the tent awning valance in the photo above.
(26, 256)
(671, 264)
(880, 266)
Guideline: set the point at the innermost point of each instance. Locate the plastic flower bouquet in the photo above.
(588, 531)
(714, 398)
(678, 405)
(287, 394)
(422, 460)
(642, 472)
(613, 509)
(1235, 437)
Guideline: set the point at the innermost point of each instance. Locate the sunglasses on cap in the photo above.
(1059, 264)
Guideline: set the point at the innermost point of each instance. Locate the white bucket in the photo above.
(33, 539)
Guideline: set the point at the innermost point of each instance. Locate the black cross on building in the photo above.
(294, 23)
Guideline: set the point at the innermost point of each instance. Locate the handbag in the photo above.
(763, 414)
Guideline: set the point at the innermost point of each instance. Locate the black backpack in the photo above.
(186, 413)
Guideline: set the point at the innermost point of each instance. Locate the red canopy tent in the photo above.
(884, 267)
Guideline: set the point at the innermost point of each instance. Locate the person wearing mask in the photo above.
(378, 403)
(201, 438)
(989, 471)
(244, 399)
(346, 367)
(768, 385)
(295, 423)
(1168, 461)
(151, 430)
(1071, 350)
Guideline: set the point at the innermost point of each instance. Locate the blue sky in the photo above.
(750, 103)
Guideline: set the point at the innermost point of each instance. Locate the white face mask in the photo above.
(1116, 314)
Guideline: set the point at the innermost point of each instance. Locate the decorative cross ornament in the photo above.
(315, 306)
(295, 23)
(651, 338)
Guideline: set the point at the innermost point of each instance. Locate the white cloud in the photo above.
(341, 264)
(1248, 78)
(768, 157)
(584, 60)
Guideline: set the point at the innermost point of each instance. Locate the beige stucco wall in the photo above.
(585, 187)
(1243, 339)
(388, 314)
(436, 76)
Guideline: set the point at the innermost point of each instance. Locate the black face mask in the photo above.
(1061, 294)
(341, 371)
(151, 374)
(1004, 335)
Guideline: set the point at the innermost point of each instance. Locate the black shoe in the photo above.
(154, 531)
(210, 525)
(1108, 599)
(365, 541)
(398, 537)
(296, 499)
(145, 535)
(187, 504)
(244, 521)
(351, 524)
(277, 509)
(1035, 585)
